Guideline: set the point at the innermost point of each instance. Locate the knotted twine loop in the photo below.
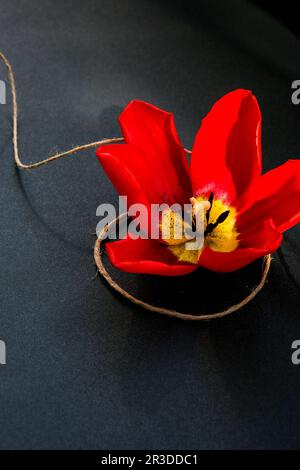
(98, 248)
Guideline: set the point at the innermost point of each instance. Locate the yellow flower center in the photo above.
(218, 226)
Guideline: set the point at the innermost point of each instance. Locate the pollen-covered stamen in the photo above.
(211, 226)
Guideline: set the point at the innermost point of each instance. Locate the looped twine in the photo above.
(98, 252)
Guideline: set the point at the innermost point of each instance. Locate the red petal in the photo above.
(227, 151)
(124, 166)
(145, 256)
(255, 244)
(153, 132)
(117, 160)
(276, 194)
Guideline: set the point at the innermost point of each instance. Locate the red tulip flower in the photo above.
(246, 212)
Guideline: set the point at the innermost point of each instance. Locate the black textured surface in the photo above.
(85, 369)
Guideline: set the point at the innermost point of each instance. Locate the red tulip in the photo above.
(248, 211)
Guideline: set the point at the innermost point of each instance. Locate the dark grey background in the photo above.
(85, 369)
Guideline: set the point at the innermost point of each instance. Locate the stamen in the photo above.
(210, 200)
(222, 217)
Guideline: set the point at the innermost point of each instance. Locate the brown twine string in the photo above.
(51, 158)
(99, 242)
